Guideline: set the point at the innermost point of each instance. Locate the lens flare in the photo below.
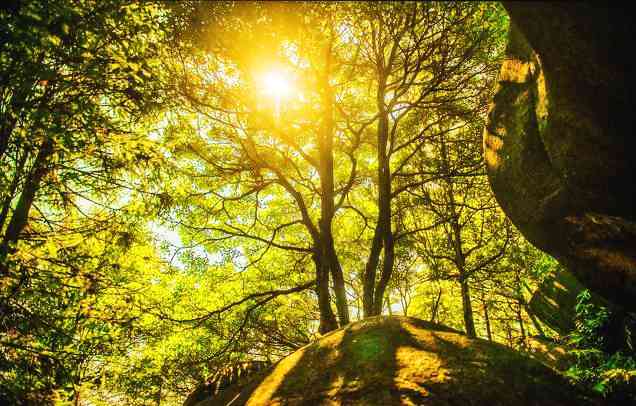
(276, 85)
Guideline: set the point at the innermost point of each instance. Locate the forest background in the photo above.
(189, 185)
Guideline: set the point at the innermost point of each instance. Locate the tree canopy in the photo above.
(186, 186)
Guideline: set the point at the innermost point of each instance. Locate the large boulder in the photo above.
(406, 361)
(559, 140)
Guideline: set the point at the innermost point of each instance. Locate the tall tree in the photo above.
(473, 234)
(277, 149)
(76, 79)
(427, 65)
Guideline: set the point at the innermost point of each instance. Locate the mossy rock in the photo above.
(406, 361)
(559, 141)
(555, 300)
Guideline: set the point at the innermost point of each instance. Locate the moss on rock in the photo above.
(405, 361)
(558, 143)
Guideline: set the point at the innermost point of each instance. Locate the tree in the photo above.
(276, 153)
(426, 63)
(187, 186)
(436, 59)
(77, 78)
(473, 234)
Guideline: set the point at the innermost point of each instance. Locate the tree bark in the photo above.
(487, 320)
(454, 237)
(368, 283)
(327, 318)
(383, 239)
(467, 308)
(436, 305)
(20, 216)
(327, 196)
(10, 193)
(521, 326)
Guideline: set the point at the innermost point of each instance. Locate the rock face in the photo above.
(555, 300)
(559, 140)
(405, 361)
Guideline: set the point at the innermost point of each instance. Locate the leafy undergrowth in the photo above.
(611, 372)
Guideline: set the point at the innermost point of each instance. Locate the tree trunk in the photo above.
(467, 308)
(455, 240)
(338, 281)
(383, 239)
(327, 196)
(387, 270)
(436, 305)
(509, 335)
(20, 215)
(327, 318)
(521, 326)
(460, 262)
(520, 303)
(10, 193)
(405, 301)
(534, 320)
(487, 319)
(159, 390)
(368, 283)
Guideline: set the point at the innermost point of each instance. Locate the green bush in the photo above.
(612, 374)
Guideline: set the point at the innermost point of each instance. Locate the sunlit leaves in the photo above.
(179, 182)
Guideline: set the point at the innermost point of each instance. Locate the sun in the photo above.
(277, 85)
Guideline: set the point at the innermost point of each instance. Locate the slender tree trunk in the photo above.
(509, 335)
(383, 239)
(327, 196)
(368, 283)
(405, 301)
(467, 308)
(534, 320)
(520, 303)
(10, 193)
(327, 213)
(20, 215)
(327, 318)
(387, 270)
(338, 281)
(487, 320)
(460, 262)
(436, 305)
(521, 325)
(455, 240)
(159, 390)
